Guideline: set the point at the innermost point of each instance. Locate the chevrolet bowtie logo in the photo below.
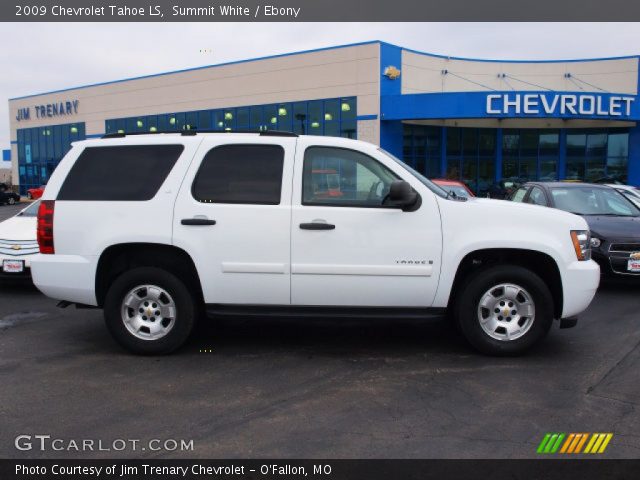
(16, 247)
(635, 256)
(391, 72)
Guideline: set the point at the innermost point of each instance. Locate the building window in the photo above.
(471, 157)
(594, 154)
(41, 149)
(331, 117)
(530, 154)
(421, 149)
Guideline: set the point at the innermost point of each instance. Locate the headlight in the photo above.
(582, 244)
(595, 242)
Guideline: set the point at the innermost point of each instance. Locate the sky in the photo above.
(41, 57)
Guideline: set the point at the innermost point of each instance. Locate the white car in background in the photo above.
(18, 243)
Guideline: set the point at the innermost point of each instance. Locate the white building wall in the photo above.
(422, 73)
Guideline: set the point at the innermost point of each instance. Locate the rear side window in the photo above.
(132, 173)
(240, 174)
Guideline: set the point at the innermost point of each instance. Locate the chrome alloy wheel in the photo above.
(506, 312)
(148, 312)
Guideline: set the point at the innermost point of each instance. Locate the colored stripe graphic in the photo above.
(573, 443)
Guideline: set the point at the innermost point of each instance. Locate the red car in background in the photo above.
(454, 187)
(35, 193)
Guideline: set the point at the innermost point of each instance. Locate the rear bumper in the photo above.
(580, 283)
(66, 277)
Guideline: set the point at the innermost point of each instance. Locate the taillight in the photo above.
(45, 226)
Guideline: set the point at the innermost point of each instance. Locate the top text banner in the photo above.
(317, 10)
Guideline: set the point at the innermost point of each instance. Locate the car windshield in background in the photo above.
(593, 201)
(31, 210)
(456, 190)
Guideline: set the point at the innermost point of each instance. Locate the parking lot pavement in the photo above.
(265, 387)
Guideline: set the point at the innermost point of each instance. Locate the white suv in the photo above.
(158, 229)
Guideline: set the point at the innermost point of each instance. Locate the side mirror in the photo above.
(401, 195)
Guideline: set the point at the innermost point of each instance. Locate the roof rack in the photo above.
(190, 133)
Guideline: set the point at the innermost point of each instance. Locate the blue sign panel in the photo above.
(606, 106)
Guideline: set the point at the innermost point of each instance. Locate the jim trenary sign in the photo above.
(559, 104)
(49, 110)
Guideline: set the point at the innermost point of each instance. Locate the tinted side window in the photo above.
(240, 174)
(130, 173)
(344, 178)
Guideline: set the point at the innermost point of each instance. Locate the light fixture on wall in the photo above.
(274, 120)
(139, 123)
(282, 111)
(172, 120)
(328, 117)
(220, 124)
(153, 129)
(228, 116)
(345, 107)
(315, 124)
(73, 129)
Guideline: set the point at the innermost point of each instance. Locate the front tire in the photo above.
(11, 201)
(504, 310)
(150, 311)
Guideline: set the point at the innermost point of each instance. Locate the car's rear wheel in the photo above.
(150, 311)
(11, 201)
(504, 310)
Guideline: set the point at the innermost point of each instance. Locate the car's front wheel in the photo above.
(504, 310)
(11, 201)
(150, 311)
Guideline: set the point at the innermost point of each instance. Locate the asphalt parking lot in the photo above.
(299, 388)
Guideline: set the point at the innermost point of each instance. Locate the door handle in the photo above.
(197, 221)
(317, 226)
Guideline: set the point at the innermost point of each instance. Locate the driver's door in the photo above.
(347, 249)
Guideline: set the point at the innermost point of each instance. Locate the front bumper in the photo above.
(580, 282)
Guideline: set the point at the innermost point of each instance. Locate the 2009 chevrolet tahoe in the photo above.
(158, 229)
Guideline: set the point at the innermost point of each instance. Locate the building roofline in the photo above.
(301, 52)
(469, 59)
(191, 69)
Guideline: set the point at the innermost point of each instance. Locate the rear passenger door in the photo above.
(233, 214)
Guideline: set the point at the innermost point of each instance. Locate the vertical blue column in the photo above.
(562, 155)
(498, 174)
(391, 137)
(634, 157)
(443, 152)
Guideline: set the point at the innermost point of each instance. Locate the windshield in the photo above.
(587, 200)
(31, 210)
(424, 180)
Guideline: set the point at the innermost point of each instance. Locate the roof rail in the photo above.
(189, 133)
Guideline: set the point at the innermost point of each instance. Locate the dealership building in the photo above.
(476, 120)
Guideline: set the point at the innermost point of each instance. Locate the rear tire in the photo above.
(504, 310)
(150, 311)
(11, 201)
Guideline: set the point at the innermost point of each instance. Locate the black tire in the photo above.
(186, 308)
(466, 306)
(11, 201)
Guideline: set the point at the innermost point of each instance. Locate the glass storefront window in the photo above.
(40, 149)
